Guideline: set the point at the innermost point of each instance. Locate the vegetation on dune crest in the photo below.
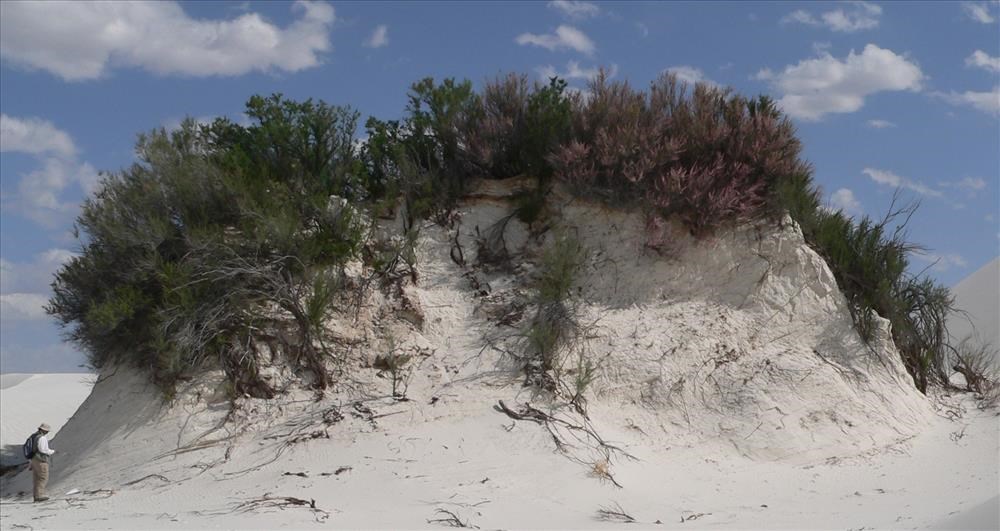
(223, 234)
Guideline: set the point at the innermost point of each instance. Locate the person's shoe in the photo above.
(42, 499)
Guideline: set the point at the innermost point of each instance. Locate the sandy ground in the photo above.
(403, 468)
(27, 400)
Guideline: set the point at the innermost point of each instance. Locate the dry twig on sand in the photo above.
(157, 476)
(584, 433)
(281, 502)
(450, 519)
(614, 514)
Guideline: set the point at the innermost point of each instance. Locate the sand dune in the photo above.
(27, 400)
(732, 391)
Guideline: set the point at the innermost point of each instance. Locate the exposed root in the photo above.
(281, 502)
(584, 433)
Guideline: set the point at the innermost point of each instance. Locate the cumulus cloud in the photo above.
(23, 306)
(880, 124)
(34, 136)
(844, 200)
(859, 16)
(824, 85)
(940, 262)
(887, 178)
(33, 276)
(83, 40)
(981, 59)
(24, 287)
(379, 37)
(987, 102)
(564, 38)
(690, 75)
(39, 193)
(576, 9)
(978, 11)
(970, 185)
(575, 71)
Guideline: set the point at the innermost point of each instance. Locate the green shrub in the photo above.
(214, 233)
(554, 325)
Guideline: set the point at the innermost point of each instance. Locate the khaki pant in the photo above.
(40, 475)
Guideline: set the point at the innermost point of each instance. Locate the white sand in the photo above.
(978, 295)
(730, 371)
(27, 400)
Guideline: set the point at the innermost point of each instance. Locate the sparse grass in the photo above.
(554, 323)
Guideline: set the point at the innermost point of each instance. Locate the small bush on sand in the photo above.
(554, 326)
(980, 365)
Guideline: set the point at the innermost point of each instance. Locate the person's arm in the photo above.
(43, 446)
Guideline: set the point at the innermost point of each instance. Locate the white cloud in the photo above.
(83, 40)
(939, 262)
(39, 192)
(33, 276)
(816, 87)
(643, 29)
(970, 185)
(690, 75)
(981, 59)
(880, 124)
(860, 16)
(988, 102)
(23, 306)
(379, 37)
(844, 200)
(574, 71)
(564, 38)
(575, 8)
(888, 178)
(34, 136)
(980, 12)
(800, 16)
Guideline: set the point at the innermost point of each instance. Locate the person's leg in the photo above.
(40, 473)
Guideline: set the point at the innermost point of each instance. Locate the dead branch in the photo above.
(157, 476)
(450, 519)
(614, 513)
(281, 502)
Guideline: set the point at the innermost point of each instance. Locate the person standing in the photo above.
(40, 462)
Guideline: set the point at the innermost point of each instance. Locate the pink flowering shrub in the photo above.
(708, 158)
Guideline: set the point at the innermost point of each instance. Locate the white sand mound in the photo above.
(978, 296)
(730, 372)
(27, 400)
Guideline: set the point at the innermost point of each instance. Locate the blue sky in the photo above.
(884, 95)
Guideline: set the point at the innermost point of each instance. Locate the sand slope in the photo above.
(979, 296)
(27, 400)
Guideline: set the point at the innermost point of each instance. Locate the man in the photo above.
(40, 462)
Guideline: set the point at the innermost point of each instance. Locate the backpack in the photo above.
(29, 446)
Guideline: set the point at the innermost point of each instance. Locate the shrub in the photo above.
(435, 157)
(554, 325)
(213, 234)
(980, 365)
(518, 128)
(707, 159)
